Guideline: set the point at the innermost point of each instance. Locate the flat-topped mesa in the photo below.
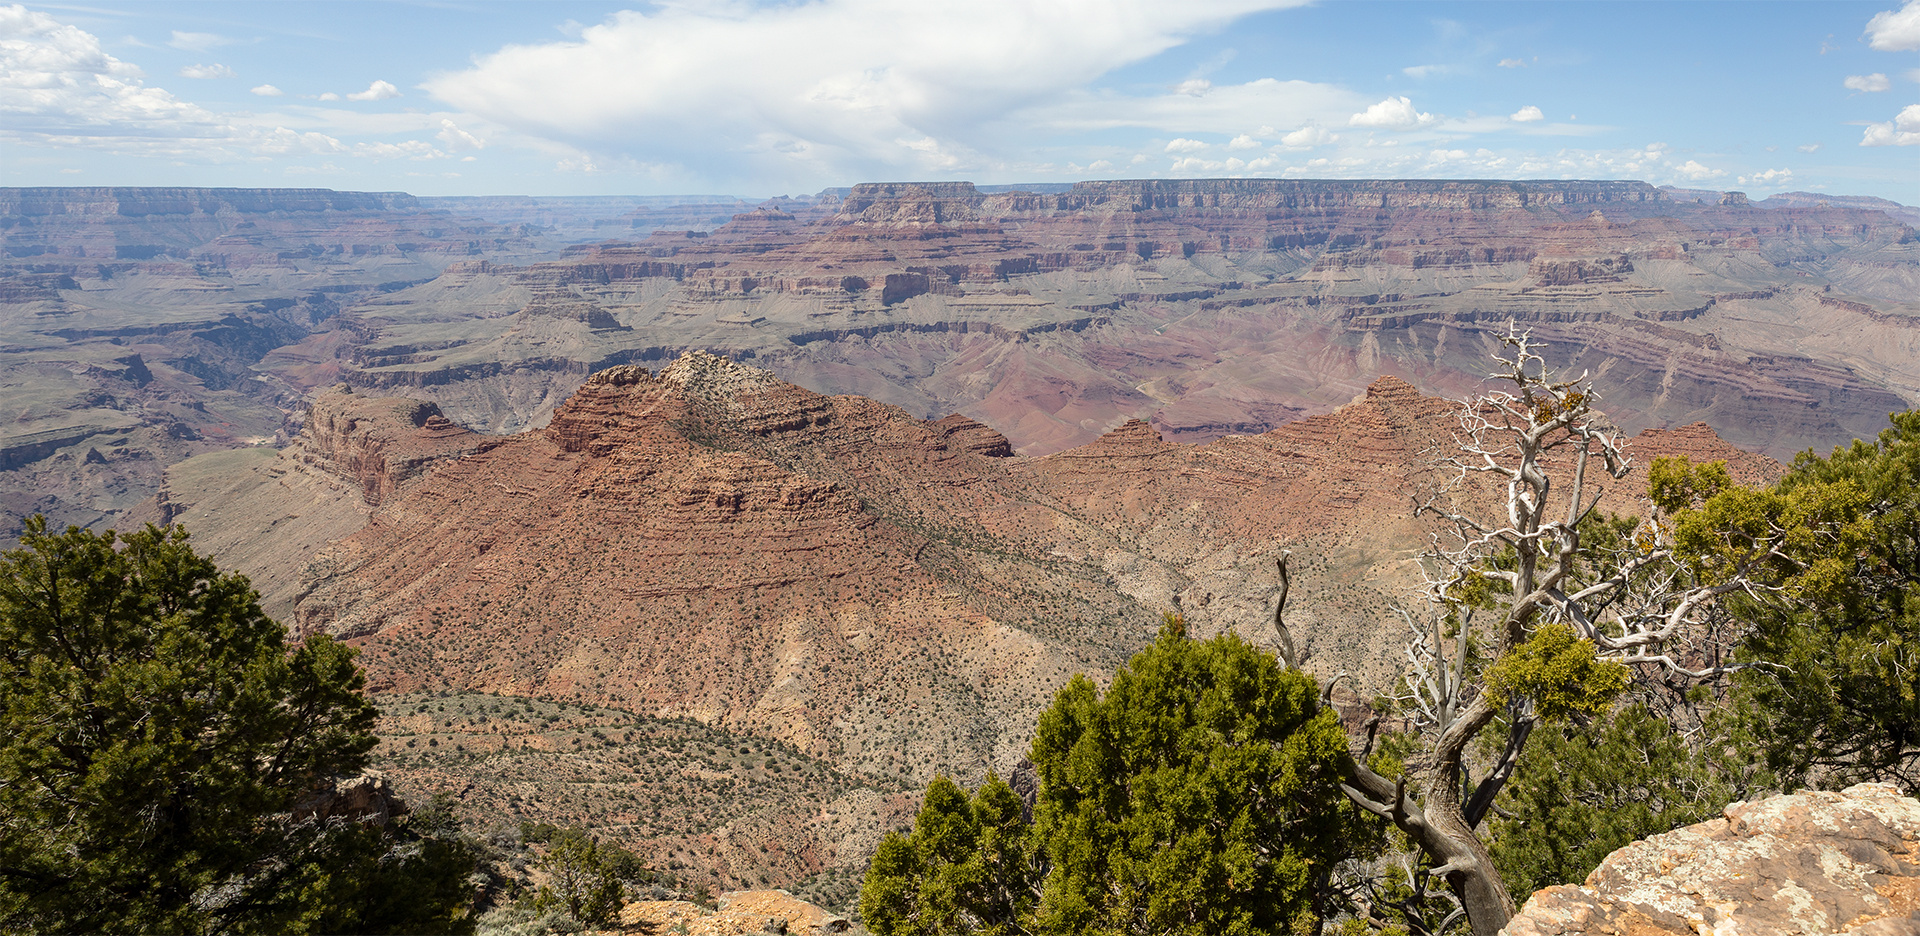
(137, 201)
(1336, 194)
(912, 203)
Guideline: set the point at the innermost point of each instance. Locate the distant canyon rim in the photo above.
(142, 326)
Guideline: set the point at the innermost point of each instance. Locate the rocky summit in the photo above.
(708, 552)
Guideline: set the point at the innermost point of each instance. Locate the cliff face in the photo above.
(1813, 863)
(1206, 308)
(1215, 307)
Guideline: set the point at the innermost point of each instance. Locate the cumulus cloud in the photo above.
(456, 139)
(1512, 63)
(1770, 178)
(1808, 147)
(60, 88)
(1896, 31)
(267, 90)
(1391, 114)
(197, 41)
(1308, 136)
(206, 71)
(1873, 82)
(1184, 145)
(1243, 142)
(1694, 172)
(1902, 130)
(841, 87)
(377, 91)
(1527, 114)
(57, 82)
(1193, 87)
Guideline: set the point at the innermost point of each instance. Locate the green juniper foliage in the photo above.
(968, 866)
(1584, 790)
(1841, 698)
(155, 732)
(585, 876)
(1199, 794)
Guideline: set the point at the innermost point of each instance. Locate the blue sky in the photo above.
(758, 99)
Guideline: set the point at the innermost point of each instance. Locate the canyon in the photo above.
(142, 326)
(854, 598)
(723, 527)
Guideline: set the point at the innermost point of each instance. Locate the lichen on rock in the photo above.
(1809, 862)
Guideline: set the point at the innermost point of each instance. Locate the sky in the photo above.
(761, 99)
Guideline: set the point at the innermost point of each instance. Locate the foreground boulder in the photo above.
(1816, 863)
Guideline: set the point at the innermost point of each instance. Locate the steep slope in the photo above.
(884, 597)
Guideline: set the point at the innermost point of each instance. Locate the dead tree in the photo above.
(1495, 578)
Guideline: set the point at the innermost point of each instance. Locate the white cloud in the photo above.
(1193, 87)
(1902, 130)
(1393, 114)
(56, 82)
(59, 89)
(457, 139)
(1308, 136)
(1892, 31)
(837, 85)
(1184, 145)
(328, 96)
(406, 149)
(1243, 142)
(206, 71)
(1527, 114)
(1873, 82)
(197, 41)
(1425, 71)
(1512, 63)
(1694, 172)
(1808, 147)
(1771, 178)
(377, 91)
(267, 90)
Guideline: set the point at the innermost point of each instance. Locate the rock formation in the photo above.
(1813, 863)
(886, 596)
(1204, 307)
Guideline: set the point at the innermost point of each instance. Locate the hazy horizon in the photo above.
(715, 97)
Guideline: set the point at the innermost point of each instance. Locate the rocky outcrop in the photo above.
(1807, 863)
(379, 443)
(739, 913)
(365, 798)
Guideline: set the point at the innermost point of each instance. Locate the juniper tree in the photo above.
(156, 732)
(1542, 608)
(1198, 794)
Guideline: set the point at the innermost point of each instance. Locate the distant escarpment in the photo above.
(1208, 307)
(886, 597)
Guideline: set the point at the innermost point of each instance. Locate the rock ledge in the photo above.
(1815, 863)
